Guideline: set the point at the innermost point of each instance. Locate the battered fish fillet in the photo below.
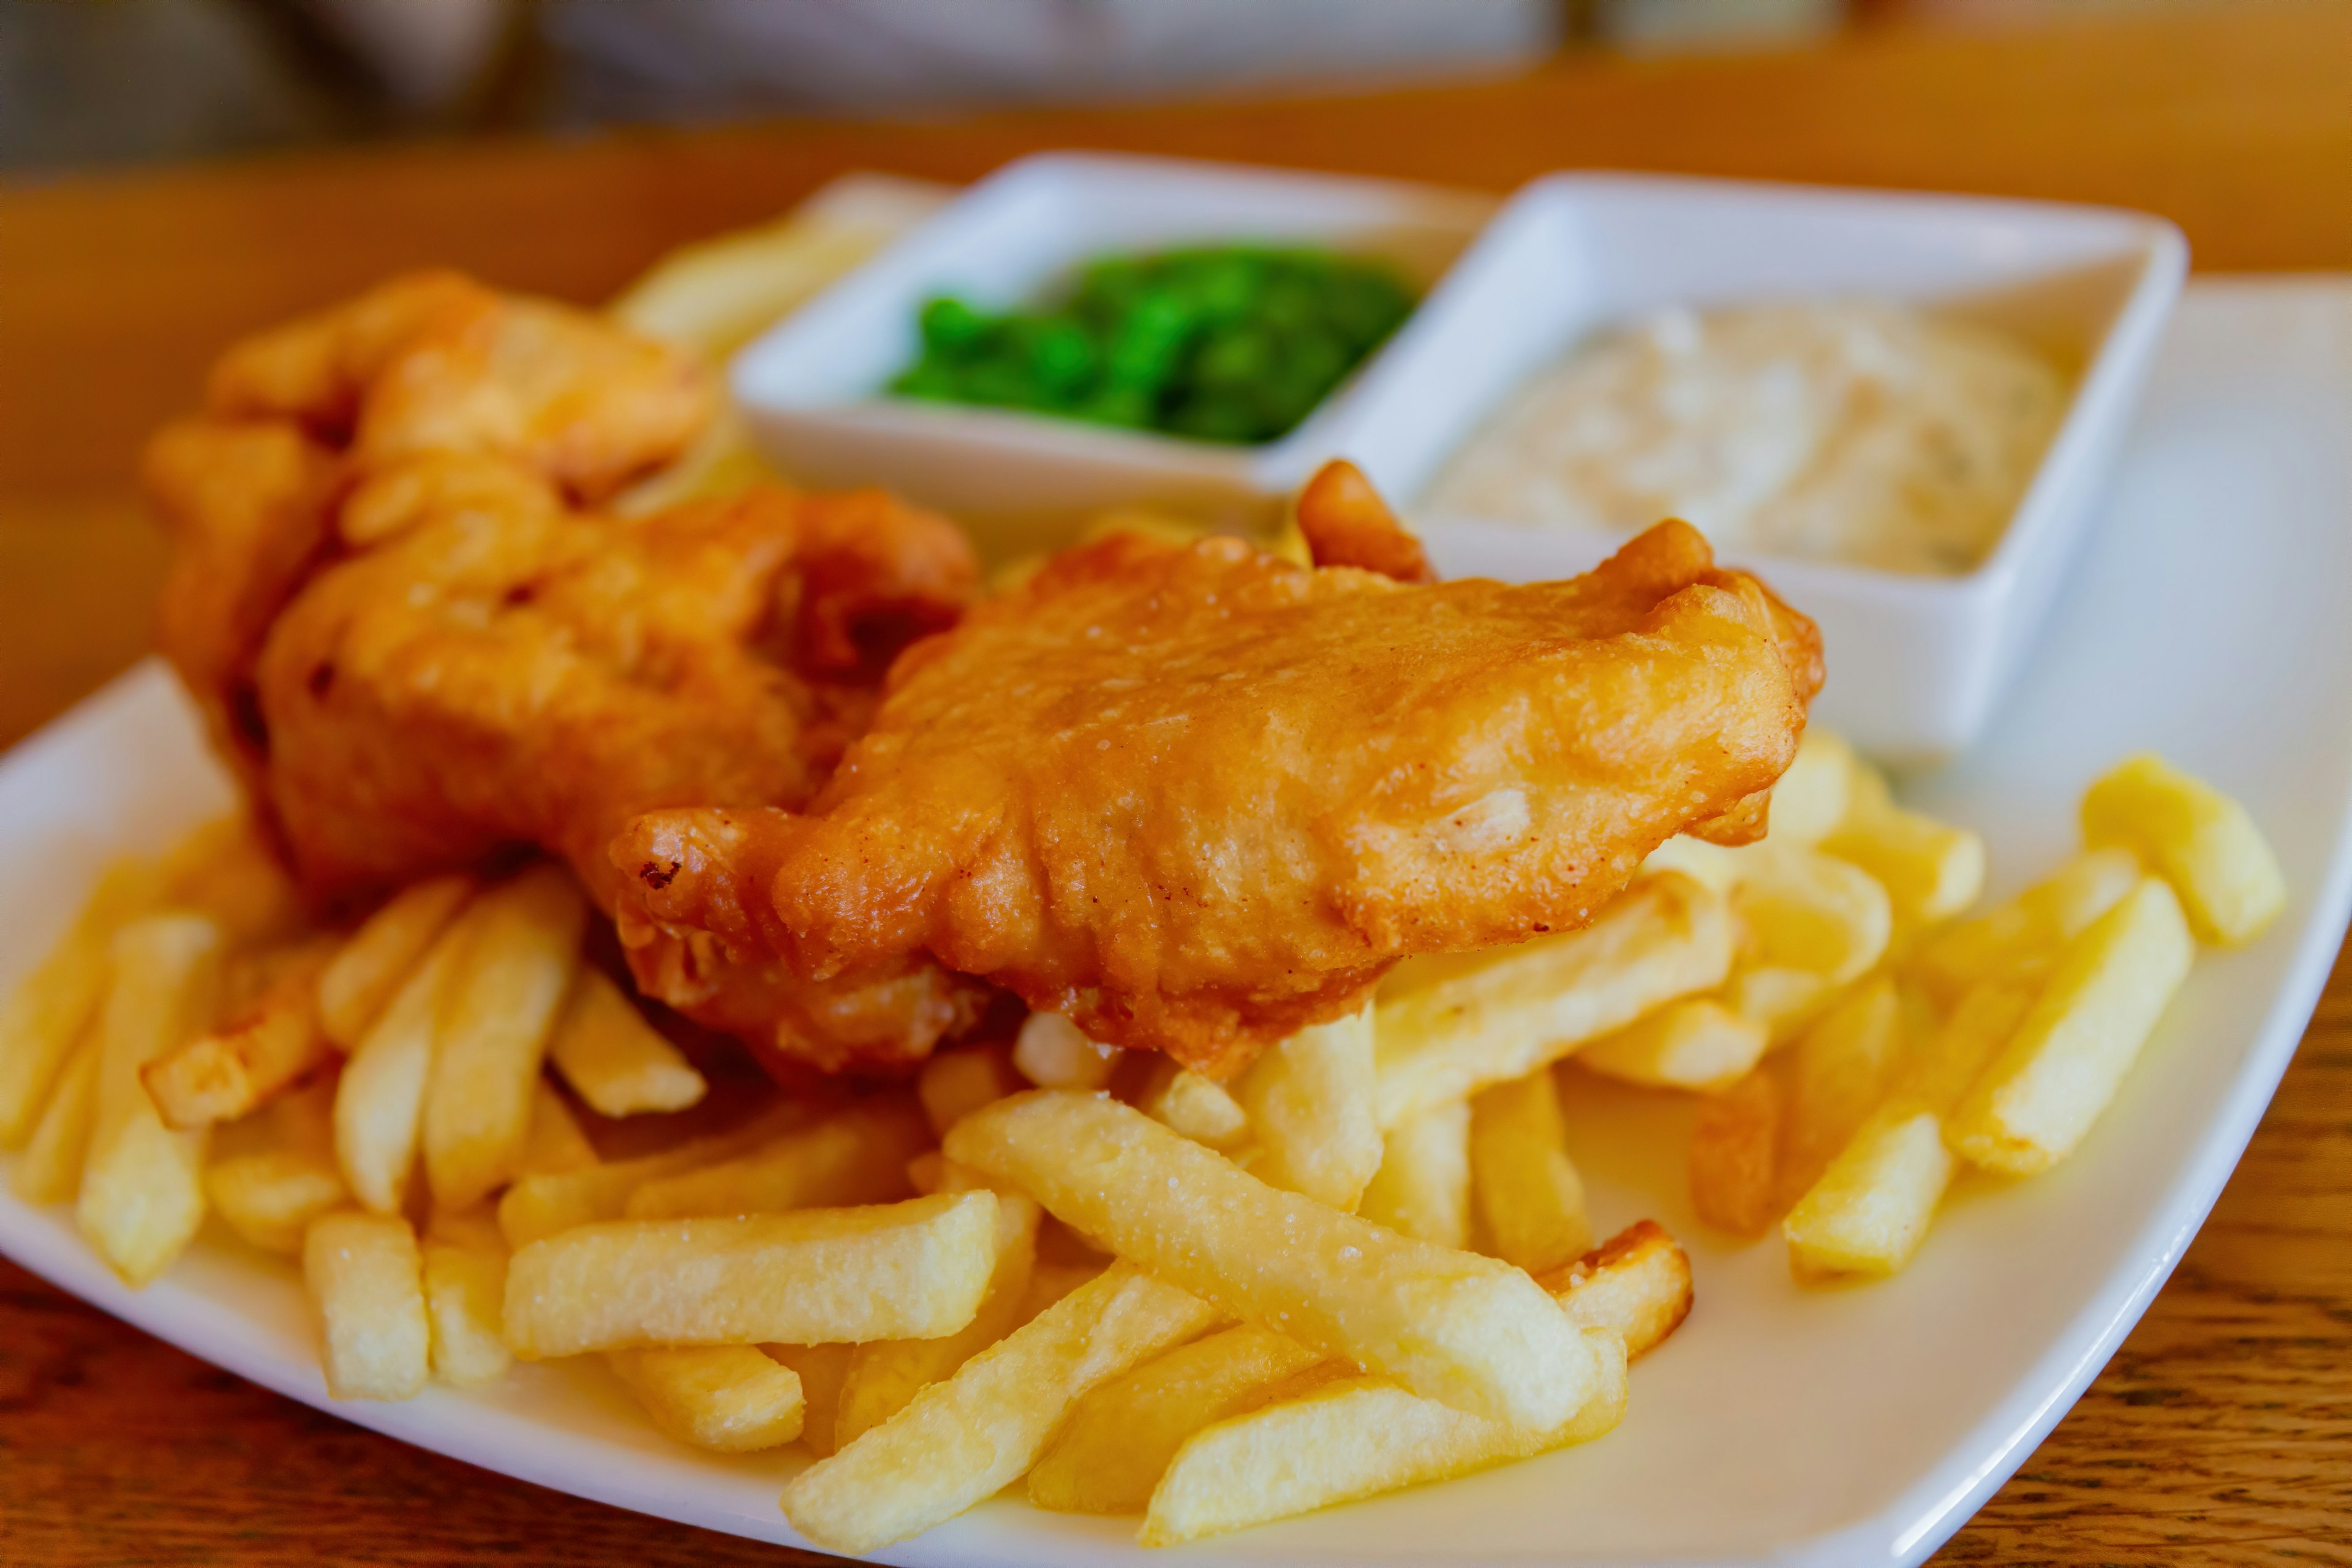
(1196, 797)
(422, 650)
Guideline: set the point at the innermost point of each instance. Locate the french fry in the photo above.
(858, 1156)
(1837, 1073)
(612, 1059)
(270, 1191)
(52, 1007)
(2021, 939)
(49, 1171)
(822, 1369)
(1422, 1187)
(1637, 1285)
(1051, 1053)
(1120, 1437)
(2194, 837)
(223, 1074)
(954, 1084)
(1871, 1209)
(893, 1271)
(1814, 796)
(142, 1197)
(1447, 1027)
(497, 1011)
(556, 1142)
(465, 1275)
(359, 982)
(1526, 1190)
(366, 1280)
(1931, 871)
(885, 1375)
(2060, 1069)
(539, 1206)
(729, 1398)
(1309, 1104)
(1199, 1108)
(1466, 1330)
(1778, 999)
(380, 1100)
(1355, 1439)
(1733, 1156)
(963, 1440)
(1808, 911)
(1696, 1043)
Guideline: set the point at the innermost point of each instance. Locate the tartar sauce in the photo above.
(1845, 430)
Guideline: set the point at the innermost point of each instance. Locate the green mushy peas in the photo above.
(1227, 342)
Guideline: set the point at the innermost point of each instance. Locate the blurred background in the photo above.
(100, 83)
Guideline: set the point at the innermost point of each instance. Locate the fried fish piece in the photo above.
(436, 362)
(1195, 798)
(424, 648)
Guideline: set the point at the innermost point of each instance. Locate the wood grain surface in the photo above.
(2223, 1431)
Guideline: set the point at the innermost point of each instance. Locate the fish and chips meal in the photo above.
(1100, 1024)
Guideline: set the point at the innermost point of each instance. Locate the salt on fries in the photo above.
(1292, 1275)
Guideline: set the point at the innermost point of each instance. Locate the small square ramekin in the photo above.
(811, 389)
(1917, 664)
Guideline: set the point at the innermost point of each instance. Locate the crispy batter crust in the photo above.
(1195, 796)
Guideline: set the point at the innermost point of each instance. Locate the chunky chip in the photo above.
(2196, 838)
(730, 1399)
(965, 1440)
(612, 1059)
(224, 1073)
(1309, 1101)
(366, 1280)
(1696, 1043)
(1354, 1438)
(499, 1006)
(54, 1005)
(1870, 1210)
(912, 1270)
(1447, 1027)
(359, 982)
(2063, 1066)
(1526, 1188)
(1121, 1437)
(142, 1198)
(1422, 1187)
(1462, 1329)
(885, 1375)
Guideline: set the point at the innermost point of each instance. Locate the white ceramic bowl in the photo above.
(811, 388)
(1916, 664)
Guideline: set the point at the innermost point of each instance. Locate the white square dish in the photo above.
(1918, 664)
(811, 389)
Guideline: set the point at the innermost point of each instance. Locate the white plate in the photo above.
(1783, 1425)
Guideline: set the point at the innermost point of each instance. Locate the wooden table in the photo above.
(2221, 1432)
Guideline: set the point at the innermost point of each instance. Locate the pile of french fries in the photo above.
(1042, 1256)
(1364, 1263)
(1869, 1044)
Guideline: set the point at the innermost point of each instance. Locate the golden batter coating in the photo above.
(1195, 796)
